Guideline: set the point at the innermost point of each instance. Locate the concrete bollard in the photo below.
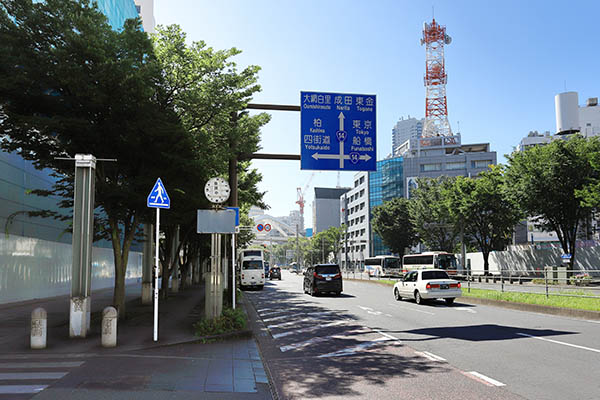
(39, 328)
(109, 327)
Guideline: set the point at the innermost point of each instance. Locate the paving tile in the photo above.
(242, 364)
(261, 379)
(243, 373)
(218, 388)
(244, 385)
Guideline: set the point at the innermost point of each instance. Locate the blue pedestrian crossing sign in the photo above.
(337, 131)
(158, 197)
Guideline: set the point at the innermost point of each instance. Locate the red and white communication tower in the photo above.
(436, 108)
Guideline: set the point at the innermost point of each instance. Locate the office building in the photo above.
(405, 129)
(326, 208)
(145, 9)
(355, 216)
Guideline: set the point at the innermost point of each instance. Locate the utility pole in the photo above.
(297, 248)
(345, 231)
(323, 250)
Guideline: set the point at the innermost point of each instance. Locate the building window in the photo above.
(355, 183)
(456, 165)
(362, 205)
(138, 9)
(431, 167)
(362, 193)
(480, 163)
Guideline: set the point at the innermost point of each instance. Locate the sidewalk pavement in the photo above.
(232, 365)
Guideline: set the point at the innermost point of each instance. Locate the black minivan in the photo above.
(323, 278)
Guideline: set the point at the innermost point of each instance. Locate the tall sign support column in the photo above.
(158, 198)
(217, 191)
(147, 263)
(83, 234)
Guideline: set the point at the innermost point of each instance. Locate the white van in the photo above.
(252, 271)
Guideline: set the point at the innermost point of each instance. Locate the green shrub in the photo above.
(230, 321)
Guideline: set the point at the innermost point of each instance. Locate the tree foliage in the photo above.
(549, 182)
(431, 216)
(391, 221)
(484, 209)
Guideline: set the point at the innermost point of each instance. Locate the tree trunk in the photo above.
(121, 258)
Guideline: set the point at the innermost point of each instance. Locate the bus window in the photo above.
(252, 264)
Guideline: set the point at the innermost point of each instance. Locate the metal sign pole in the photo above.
(233, 286)
(156, 276)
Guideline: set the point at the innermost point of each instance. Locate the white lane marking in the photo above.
(320, 339)
(21, 389)
(59, 364)
(557, 342)
(467, 309)
(370, 310)
(354, 349)
(366, 308)
(430, 356)
(31, 375)
(284, 324)
(486, 378)
(288, 316)
(308, 329)
(388, 315)
(593, 322)
(411, 309)
(388, 336)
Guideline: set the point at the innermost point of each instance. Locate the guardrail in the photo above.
(549, 281)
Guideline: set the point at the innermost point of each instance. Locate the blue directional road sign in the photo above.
(158, 197)
(337, 131)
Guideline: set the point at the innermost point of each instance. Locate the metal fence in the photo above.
(549, 281)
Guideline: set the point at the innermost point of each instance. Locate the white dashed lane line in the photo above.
(308, 329)
(557, 342)
(484, 379)
(430, 356)
(411, 309)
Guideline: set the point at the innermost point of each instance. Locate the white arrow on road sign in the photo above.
(318, 156)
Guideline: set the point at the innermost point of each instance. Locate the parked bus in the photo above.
(431, 259)
(383, 266)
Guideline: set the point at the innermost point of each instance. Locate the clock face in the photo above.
(217, 190)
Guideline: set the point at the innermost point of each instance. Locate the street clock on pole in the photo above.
(217, 190)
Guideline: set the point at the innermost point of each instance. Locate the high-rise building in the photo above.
(326, 208)
(354, 207)
(405, 129)
(145, 9)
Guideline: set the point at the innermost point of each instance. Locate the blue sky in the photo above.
(506, 62)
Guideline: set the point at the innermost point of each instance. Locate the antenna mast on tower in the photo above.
(436, 108)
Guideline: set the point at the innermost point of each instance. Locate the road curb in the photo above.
(563, 312)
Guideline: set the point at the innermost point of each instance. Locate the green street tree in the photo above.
(548, 182)
(391, 221)
(484, 209)
(430, 215)
(73, 85)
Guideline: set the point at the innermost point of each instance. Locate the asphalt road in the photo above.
(365, 344)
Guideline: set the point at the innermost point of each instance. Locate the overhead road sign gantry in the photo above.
(338, 131)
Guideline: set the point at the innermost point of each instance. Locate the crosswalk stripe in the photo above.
(21, 389)
(31, 375)
(308, 329)
(320, 339)
(58, 364)
(288, 316)
(354, 349)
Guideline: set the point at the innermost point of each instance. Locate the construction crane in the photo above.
(301, 192)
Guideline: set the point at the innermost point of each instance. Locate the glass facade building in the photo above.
(386, 183)
(117, 11)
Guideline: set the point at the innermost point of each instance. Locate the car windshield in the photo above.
(327, 269)
(254, 264)
(426, 275)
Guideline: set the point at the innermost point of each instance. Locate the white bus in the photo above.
(383, 266)
(431, 259)
(251, 268)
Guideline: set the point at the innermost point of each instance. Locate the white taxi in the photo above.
(427, 284)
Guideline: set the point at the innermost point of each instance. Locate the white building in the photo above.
(354, 207)
(145, 9)
(571, 118)
(405, 129)
(534, 138)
